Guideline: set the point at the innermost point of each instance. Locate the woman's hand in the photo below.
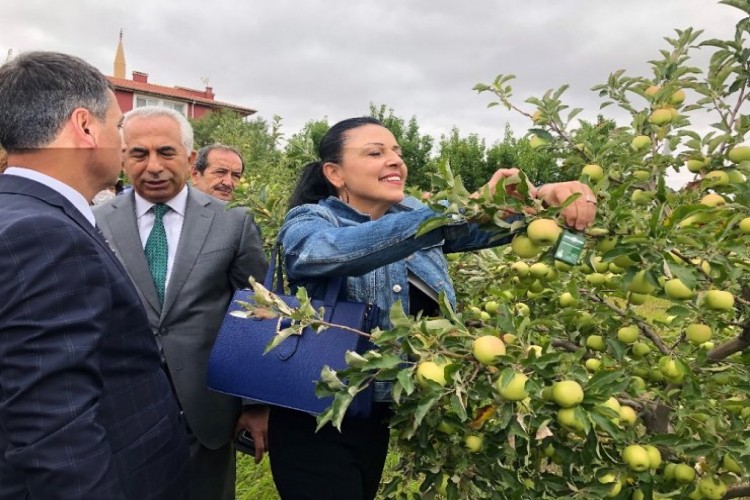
(510, 189)
(579, 214)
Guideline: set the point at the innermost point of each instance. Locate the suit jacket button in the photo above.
(163, 331)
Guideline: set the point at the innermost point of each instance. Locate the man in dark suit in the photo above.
(86, 411)
(187, 254)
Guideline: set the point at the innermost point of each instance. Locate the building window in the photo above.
(141, 101)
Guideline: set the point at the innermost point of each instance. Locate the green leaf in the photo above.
(432, 224)
(406, 380)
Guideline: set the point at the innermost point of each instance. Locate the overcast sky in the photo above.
(309, 59)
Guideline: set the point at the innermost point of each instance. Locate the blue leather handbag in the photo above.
(287, 374)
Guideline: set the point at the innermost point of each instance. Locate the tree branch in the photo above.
(644, 327)
(738, 492)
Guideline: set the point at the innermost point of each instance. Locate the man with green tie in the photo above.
(187, 254)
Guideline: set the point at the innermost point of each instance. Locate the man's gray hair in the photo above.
(186, 130)
(38, 93)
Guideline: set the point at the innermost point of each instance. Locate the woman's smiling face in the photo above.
(372, 175)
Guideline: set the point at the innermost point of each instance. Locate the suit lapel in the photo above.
(195, 228)
(127, 241)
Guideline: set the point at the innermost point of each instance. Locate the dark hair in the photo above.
(312, 185)
(38, 93)
(201, 160)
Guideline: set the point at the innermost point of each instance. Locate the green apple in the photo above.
(717, 178)
(606, 244)
(660, 117)
(596, 343)
(677, 97)
(668, 471)
(695, 166)
(567, 393)
(524, 247)
(484, 316)
(596, 279)
(654, 456)
(637, 299)
(731, 465)
(593, 171)
(713, 200)
(543, 232)
(738, 154)
(429, 370)
(684, 474)
(599, 265)
(613, 405)
(641, 175)
(639, 350)
(676, 289)
(712, 488)
(522, 309)
(567, 300)
(736, 177)
(637, 385)
(628, 416)
(652, 90)
(474, 443)
(537, 351)
(641, 284)
(641, 197)
(640, 142)
(636, 457)
(446, 428)
(568, 419)
(536, 142)
(623, 261)
(718, 300)
(628, 334)
(698, 333)
(744, 225)
(520, 268)
(491, 306)
(671, 370)
(593, 365)
(539, 269)
(487, 349)
(615, 489)
(516, 388)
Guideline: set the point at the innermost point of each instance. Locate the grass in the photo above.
(254, 482)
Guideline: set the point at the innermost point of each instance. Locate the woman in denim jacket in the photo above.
(349, 217)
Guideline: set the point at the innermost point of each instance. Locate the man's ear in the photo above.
(332, 172)
(80, 122)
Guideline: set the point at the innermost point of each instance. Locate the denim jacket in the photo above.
(333, 239)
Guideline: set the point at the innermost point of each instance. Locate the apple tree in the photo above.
(621, 375)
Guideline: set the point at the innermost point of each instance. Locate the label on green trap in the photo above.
(569, 247)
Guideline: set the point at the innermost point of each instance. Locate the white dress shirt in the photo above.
(172, 220)
(70, 194)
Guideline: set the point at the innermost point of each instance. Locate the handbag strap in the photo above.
(275, 279)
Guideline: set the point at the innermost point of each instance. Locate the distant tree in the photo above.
(467, 157)
(302, 147)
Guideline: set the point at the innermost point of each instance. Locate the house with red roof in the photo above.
(138, 92)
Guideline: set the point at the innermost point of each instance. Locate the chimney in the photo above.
(209, 93)
(140, 77)
(120, 59)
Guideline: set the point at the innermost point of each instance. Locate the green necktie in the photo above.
(156, 250)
